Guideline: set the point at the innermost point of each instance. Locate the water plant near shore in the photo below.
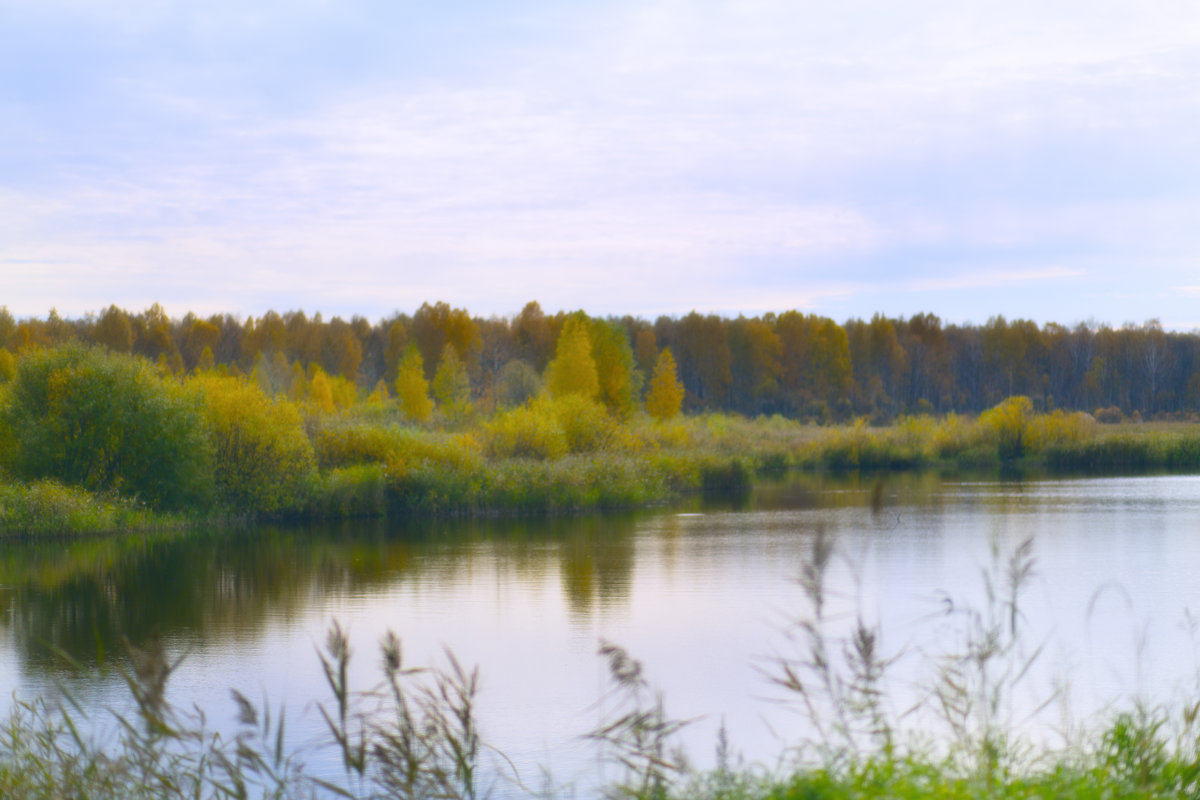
(417, 734)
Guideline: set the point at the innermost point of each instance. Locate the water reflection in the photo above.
(699, 593)
(84, 598)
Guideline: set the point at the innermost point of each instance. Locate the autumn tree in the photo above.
(264, 458)
(756, 354)
(665, 396)
(701, 348)
(114, 330)
(435, 326)
(412, 390)
(534, 336)
(619, 380)
(342, 349)
(397, 344)
(573, 370)
(8, 365)
(8, 325)
(452, 386)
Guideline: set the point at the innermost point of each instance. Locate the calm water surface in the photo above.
(703, 596)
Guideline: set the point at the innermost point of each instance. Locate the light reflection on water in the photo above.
(701, 597)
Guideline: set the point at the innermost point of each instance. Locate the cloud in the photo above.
(991, 279)
(667, 154)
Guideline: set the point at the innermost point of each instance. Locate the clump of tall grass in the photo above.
(417, 733)
(523, 486)
(638, 733)
(1124, 450)
(341, 442)
(50, 507)
(358, 490)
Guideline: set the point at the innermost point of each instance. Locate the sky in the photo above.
(1035, 159)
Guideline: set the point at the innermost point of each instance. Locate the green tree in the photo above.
(114, 330)
(451, 386)
(412, 390)
(665, 396)
(8, 365)
(105, 421)
(573, 370)
(618, 376)
(519, 383)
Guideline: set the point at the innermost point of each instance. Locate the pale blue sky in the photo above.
(1032, 159)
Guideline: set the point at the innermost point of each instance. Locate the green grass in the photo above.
(48, 507)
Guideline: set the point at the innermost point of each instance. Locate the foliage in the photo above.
(358, 490)
(519, 383)
(264, 459)
(619, 380)
(49, 507)
(412, 390)
(8, 365)
(665, 397)
(525, 431)
(1007, 425)
(573, 370)
(105, 421)
(452, 387)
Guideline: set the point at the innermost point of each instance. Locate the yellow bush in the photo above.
(1007, 426)
(263, 456)
(1046, 430)
(951, 436)
(585, 423)
(525, 431)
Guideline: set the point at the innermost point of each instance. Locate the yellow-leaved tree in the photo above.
(412, 390)
(573, 370)
(665, 397)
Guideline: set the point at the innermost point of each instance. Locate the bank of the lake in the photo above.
(370, 465)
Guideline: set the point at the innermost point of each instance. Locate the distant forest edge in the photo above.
(801, 366)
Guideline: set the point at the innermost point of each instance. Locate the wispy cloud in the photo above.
(991, 279)
(723, 157)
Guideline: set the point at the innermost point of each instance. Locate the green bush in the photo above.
(106, 422)
(354, 491)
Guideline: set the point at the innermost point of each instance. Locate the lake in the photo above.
(706, 596)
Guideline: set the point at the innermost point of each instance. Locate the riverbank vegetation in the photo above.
(138, 420)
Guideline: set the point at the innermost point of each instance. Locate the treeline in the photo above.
(799, 365)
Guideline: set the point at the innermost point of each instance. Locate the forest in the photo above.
(802, 366)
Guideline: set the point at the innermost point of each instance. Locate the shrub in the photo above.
(264, 459)
(343, 444)
(50, 507)
(585, 423)
(354, 491)
(106, 421)
(1048, 430)
(525, 431)
(1007, 426)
